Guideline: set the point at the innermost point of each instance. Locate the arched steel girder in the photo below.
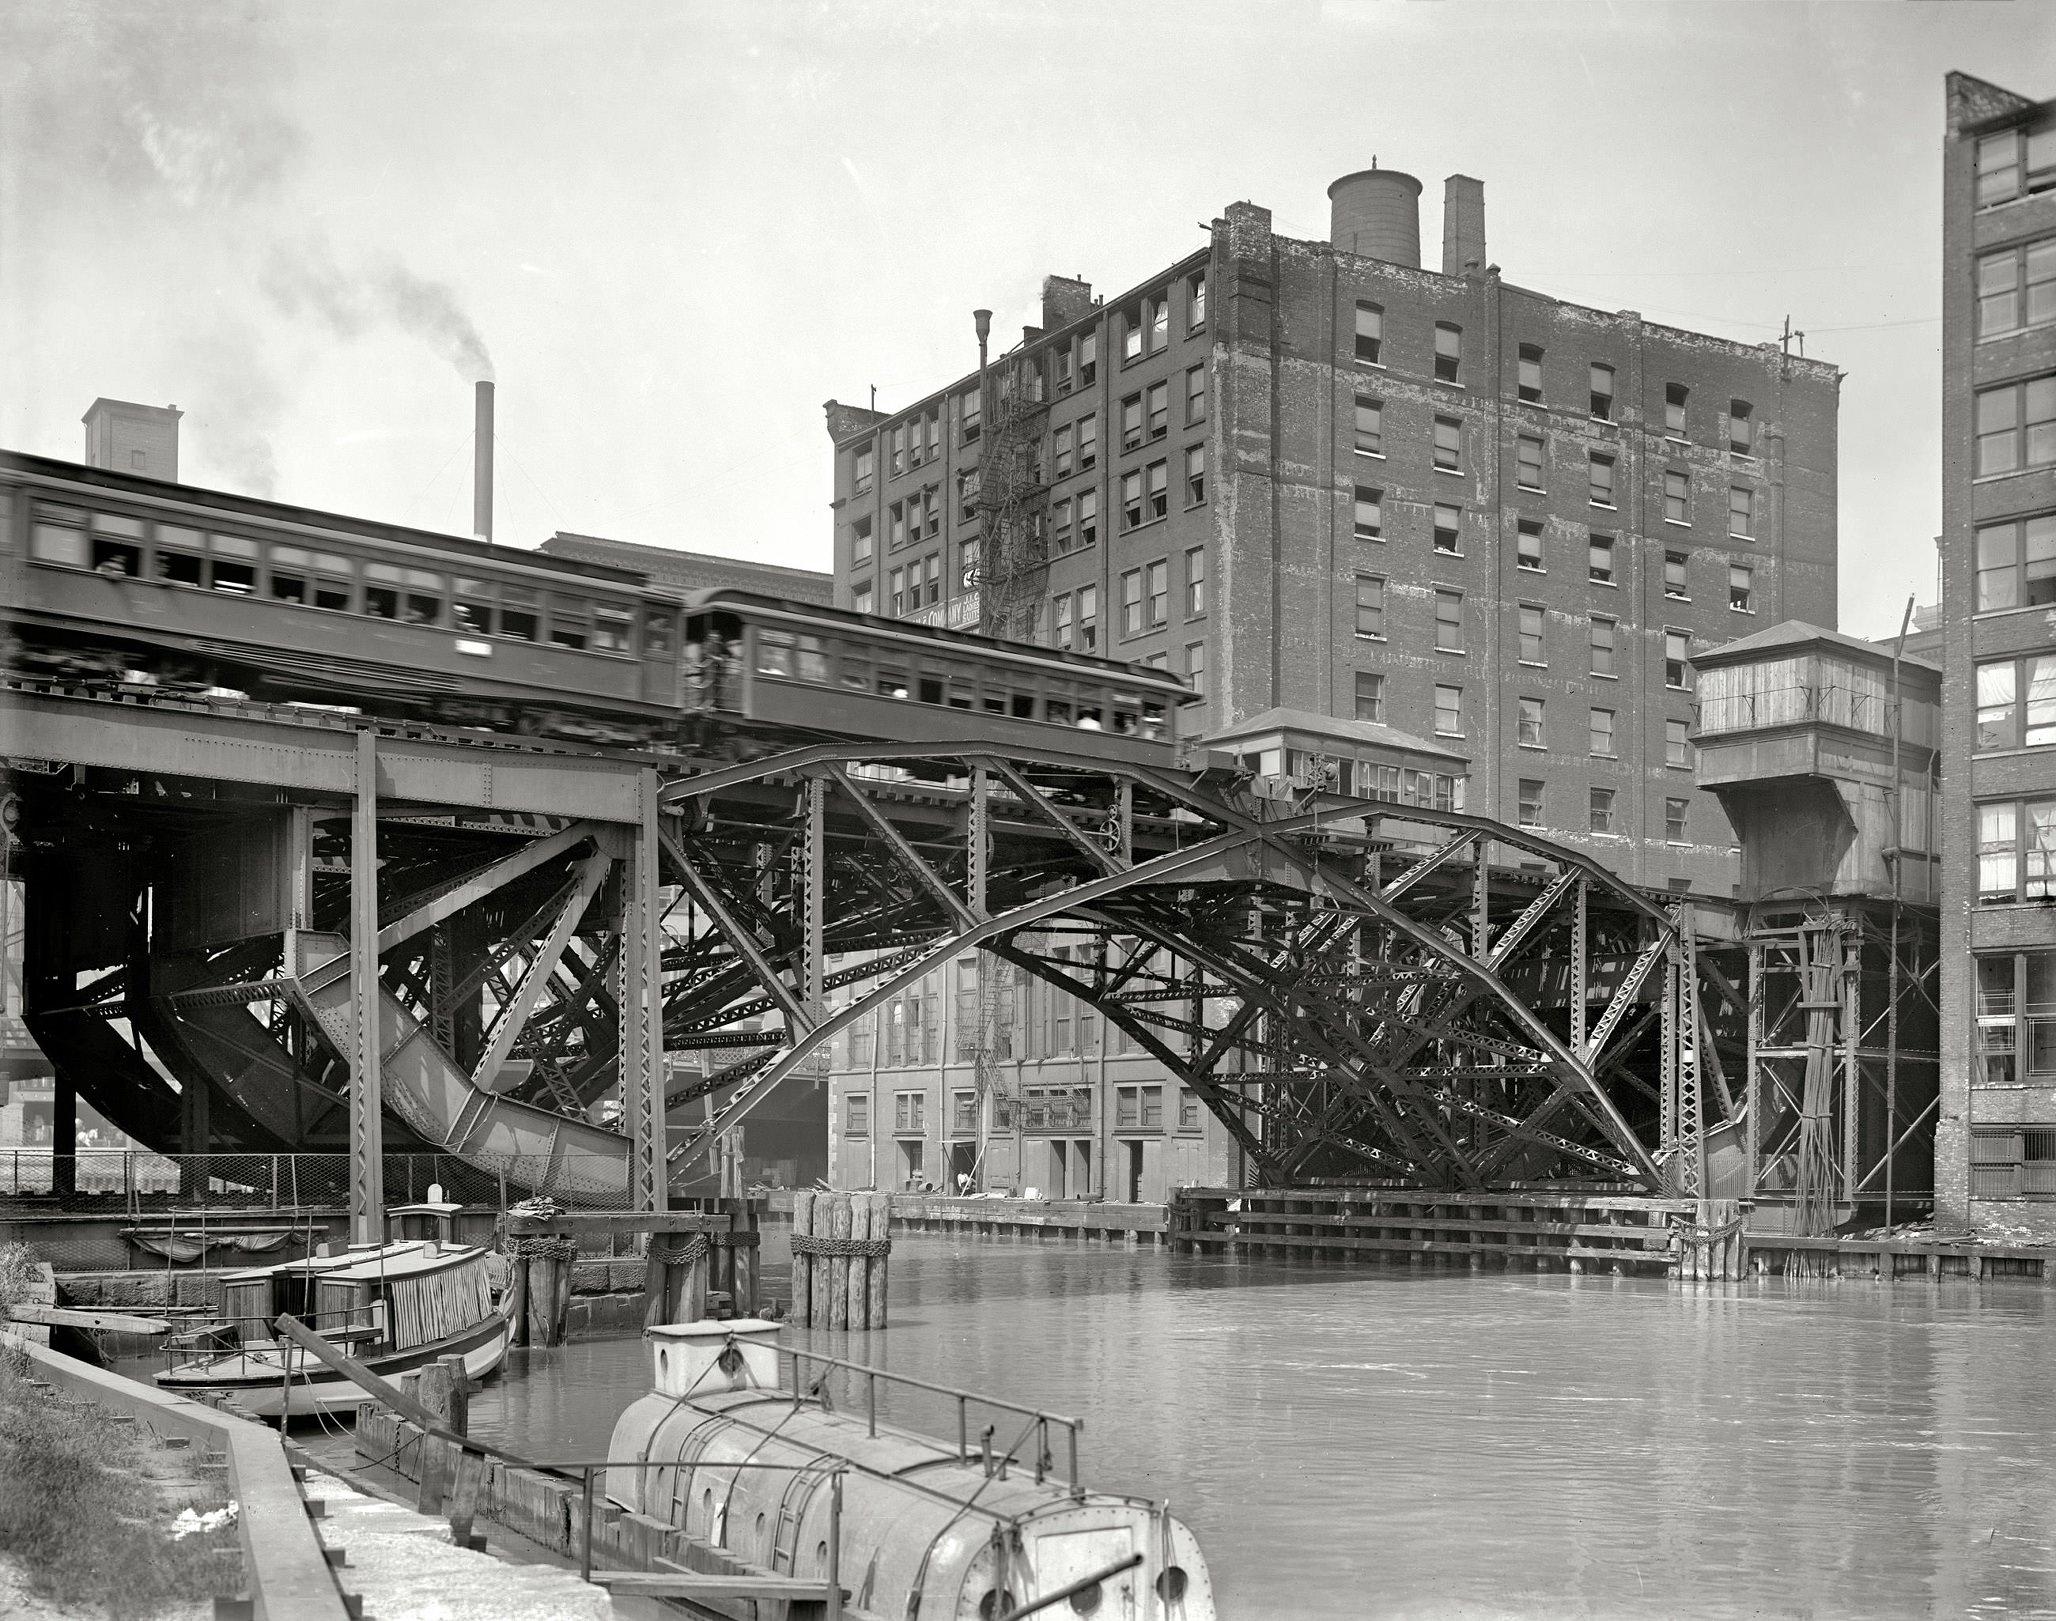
(963, 926)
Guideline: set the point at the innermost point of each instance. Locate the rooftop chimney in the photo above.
(1377, 213)
(1064, 299)
(1463, 225)
(124, 437)
(482, 465)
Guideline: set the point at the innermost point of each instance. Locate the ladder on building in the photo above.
(1012, 501)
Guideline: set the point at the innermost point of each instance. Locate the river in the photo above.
(1397, 1443)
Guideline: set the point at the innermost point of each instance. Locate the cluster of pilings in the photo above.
(841, 1249)
(699, 1263)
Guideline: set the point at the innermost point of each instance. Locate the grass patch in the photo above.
(86, 1508)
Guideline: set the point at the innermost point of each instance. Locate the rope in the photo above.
(546, 1248)
(808, 1244)
(679, 1255)
(1703, 1237)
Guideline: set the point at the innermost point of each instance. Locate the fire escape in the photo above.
(1012, 500)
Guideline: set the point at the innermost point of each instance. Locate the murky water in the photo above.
(1430, 1444)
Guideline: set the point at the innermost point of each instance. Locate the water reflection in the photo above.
(1427, 1444)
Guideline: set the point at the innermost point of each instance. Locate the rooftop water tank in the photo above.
(1377, 213)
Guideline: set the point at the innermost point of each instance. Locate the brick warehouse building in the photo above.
(1320, 480)
(1995, 1143)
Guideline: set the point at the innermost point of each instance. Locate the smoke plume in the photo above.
(306, 280)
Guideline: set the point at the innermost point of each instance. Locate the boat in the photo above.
(392, 1307)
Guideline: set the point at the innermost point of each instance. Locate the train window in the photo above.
(180, 568)
(1152, 718)
(856, 670)
(517, 613)
(382, 590)
(288, 587)
(892, 683)
(1057, 711)
(109, 523)
(473, 609)
(424, 597)
(333, 583)
(610, 629)
(995, 702)
(569, 622)
(1089, 716)
(931, 689)
(1022, 706)
(238, 579)
(659, 631)
(961, 691)
(1126, 711)
(54, 543)
(774, 652)
(813, 661)
(117, 558)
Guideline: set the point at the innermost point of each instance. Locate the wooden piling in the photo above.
(802, 1264)
(742, 1233)
(875, 1266)
(857, 1284)
(838, 1265)
(656, 1282)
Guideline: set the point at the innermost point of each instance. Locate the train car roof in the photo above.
(970, 641)
(250, 507)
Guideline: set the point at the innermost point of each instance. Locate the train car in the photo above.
(926, 1528)
(806, 669)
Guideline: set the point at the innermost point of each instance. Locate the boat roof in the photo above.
(404, 1258)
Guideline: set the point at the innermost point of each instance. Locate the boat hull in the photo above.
(255, 1380)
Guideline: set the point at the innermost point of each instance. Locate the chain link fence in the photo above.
(107, 1180)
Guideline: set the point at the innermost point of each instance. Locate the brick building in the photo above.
(1995, 1146)
(1319, 479)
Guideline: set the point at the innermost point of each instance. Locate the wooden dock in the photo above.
(1032, 1221)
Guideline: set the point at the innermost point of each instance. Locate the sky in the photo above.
(672, 231)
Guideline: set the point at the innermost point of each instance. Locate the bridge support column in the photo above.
(64, 1137)
(367, 1129)
(642, 1009)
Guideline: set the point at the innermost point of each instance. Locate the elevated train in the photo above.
(106, 576)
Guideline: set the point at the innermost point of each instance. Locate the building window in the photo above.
(933, 569)
(967, 560)
(1131, 500)
(1159, 489)
(1065, 378)
(1088, 359)
(1370, 513)
(931, 508)
(1602, 645)
(1449, 444)
(1674, 820)
(899, 450)
(2016, 288)
(1159, 406)
(1602, 392)
(1160, 324)
(1600, 566)
(1677, 653)
(1674, 409)
(1998, 851)
(1449, 621)
(1195, 474)
(1370, 426)
(1677, 744)
(1088, 618)
(860, 543)
(1448, 522)
(1131, 602)
(2000, 713)
(970, 415)
(1528, 544)
(1088, 442)
(1530, 814)
(1602, 733)
(2016, 427)
(1531, 634)
(1448, 351)
(896, 524)
(1599, 479)
(860, 598)
(1602, 810)
(1677, 498)
(968, 485)
(1449, 711)
(963, 1113)
(1741, 511)
(899, 598)
(2002, 159)
(1159, 593)
(1528, 472)
(1131, 422)
(1529, 386)
(1530, 723)
(1370, 605)
(1131, 335)
(864, 471)
(1675, 566)
(856, 1114)
(2016, 563)
(1195, 301)
(1195, 667)
(910, 1111)
(1061, 458)
(1741, 430)
(1741, 588)
(1060, 623)
(1088, 517)
(1370, 696)
(1195, 582)
(1370, 332)
(1195, 396)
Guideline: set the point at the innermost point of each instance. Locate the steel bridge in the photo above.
(329, 932)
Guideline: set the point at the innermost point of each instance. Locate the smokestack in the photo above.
(482, 466)
(1376, 212)
(1463, 225)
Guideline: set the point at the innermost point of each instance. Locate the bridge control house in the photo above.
(1478, 531)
